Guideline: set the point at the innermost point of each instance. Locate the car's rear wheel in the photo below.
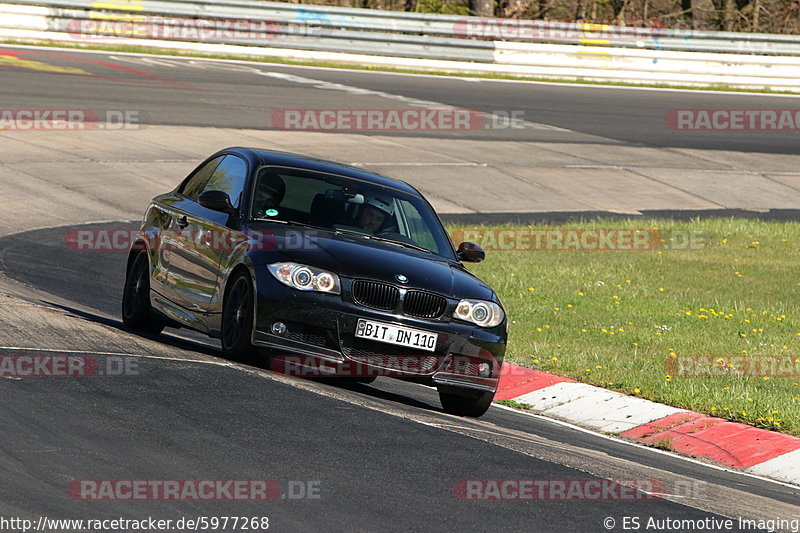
(469, 404)
(237, 319)
(136, 310)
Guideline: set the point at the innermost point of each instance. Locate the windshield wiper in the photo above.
(292, 223)
(384, 239)
(399, 243)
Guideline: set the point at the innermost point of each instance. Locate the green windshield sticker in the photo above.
(271, 212)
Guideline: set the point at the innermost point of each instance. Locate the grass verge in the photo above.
(626, 320)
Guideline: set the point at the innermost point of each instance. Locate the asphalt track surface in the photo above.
(201, 93)
(377, 467)
(385, 457)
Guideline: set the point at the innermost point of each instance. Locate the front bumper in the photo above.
(321, 328)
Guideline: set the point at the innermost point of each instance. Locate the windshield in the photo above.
(348, 205)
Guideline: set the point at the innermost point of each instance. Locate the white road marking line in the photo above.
(414, 102)
(91, 352)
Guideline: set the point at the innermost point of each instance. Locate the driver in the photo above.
(269, 194)
(374, 213)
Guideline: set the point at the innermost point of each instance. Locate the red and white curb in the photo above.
(754, 450)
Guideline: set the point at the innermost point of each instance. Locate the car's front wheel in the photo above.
(136, 311)
(472, 404)
(237, 319)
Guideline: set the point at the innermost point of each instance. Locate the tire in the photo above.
(472, 405)
(237, 320)
(136, 310)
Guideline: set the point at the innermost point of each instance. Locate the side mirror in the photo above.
(469, 252)
(217, 201)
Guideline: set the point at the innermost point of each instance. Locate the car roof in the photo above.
(260, 157)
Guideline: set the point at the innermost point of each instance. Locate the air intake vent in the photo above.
(424, 304)
(375, 295)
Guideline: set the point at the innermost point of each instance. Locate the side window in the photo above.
(194, 186)
(418, 229)
(229, 177)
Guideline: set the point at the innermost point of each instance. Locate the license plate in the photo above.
(412, 338)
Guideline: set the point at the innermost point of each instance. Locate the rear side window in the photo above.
(229, 177)
(197, 182)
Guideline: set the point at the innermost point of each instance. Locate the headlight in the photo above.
(480, 312)
(305, 278)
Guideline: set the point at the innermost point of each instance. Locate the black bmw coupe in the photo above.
(332, 269)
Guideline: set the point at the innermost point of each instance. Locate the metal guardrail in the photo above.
(451, 43)
(408, 34)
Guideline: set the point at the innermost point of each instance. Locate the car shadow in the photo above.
(169, 340)
(374, 392)
(262, 363)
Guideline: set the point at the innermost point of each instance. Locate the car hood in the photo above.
(353, 256)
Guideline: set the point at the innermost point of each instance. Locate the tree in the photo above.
(481, 8)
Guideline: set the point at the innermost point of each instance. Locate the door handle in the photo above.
(182, 222)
